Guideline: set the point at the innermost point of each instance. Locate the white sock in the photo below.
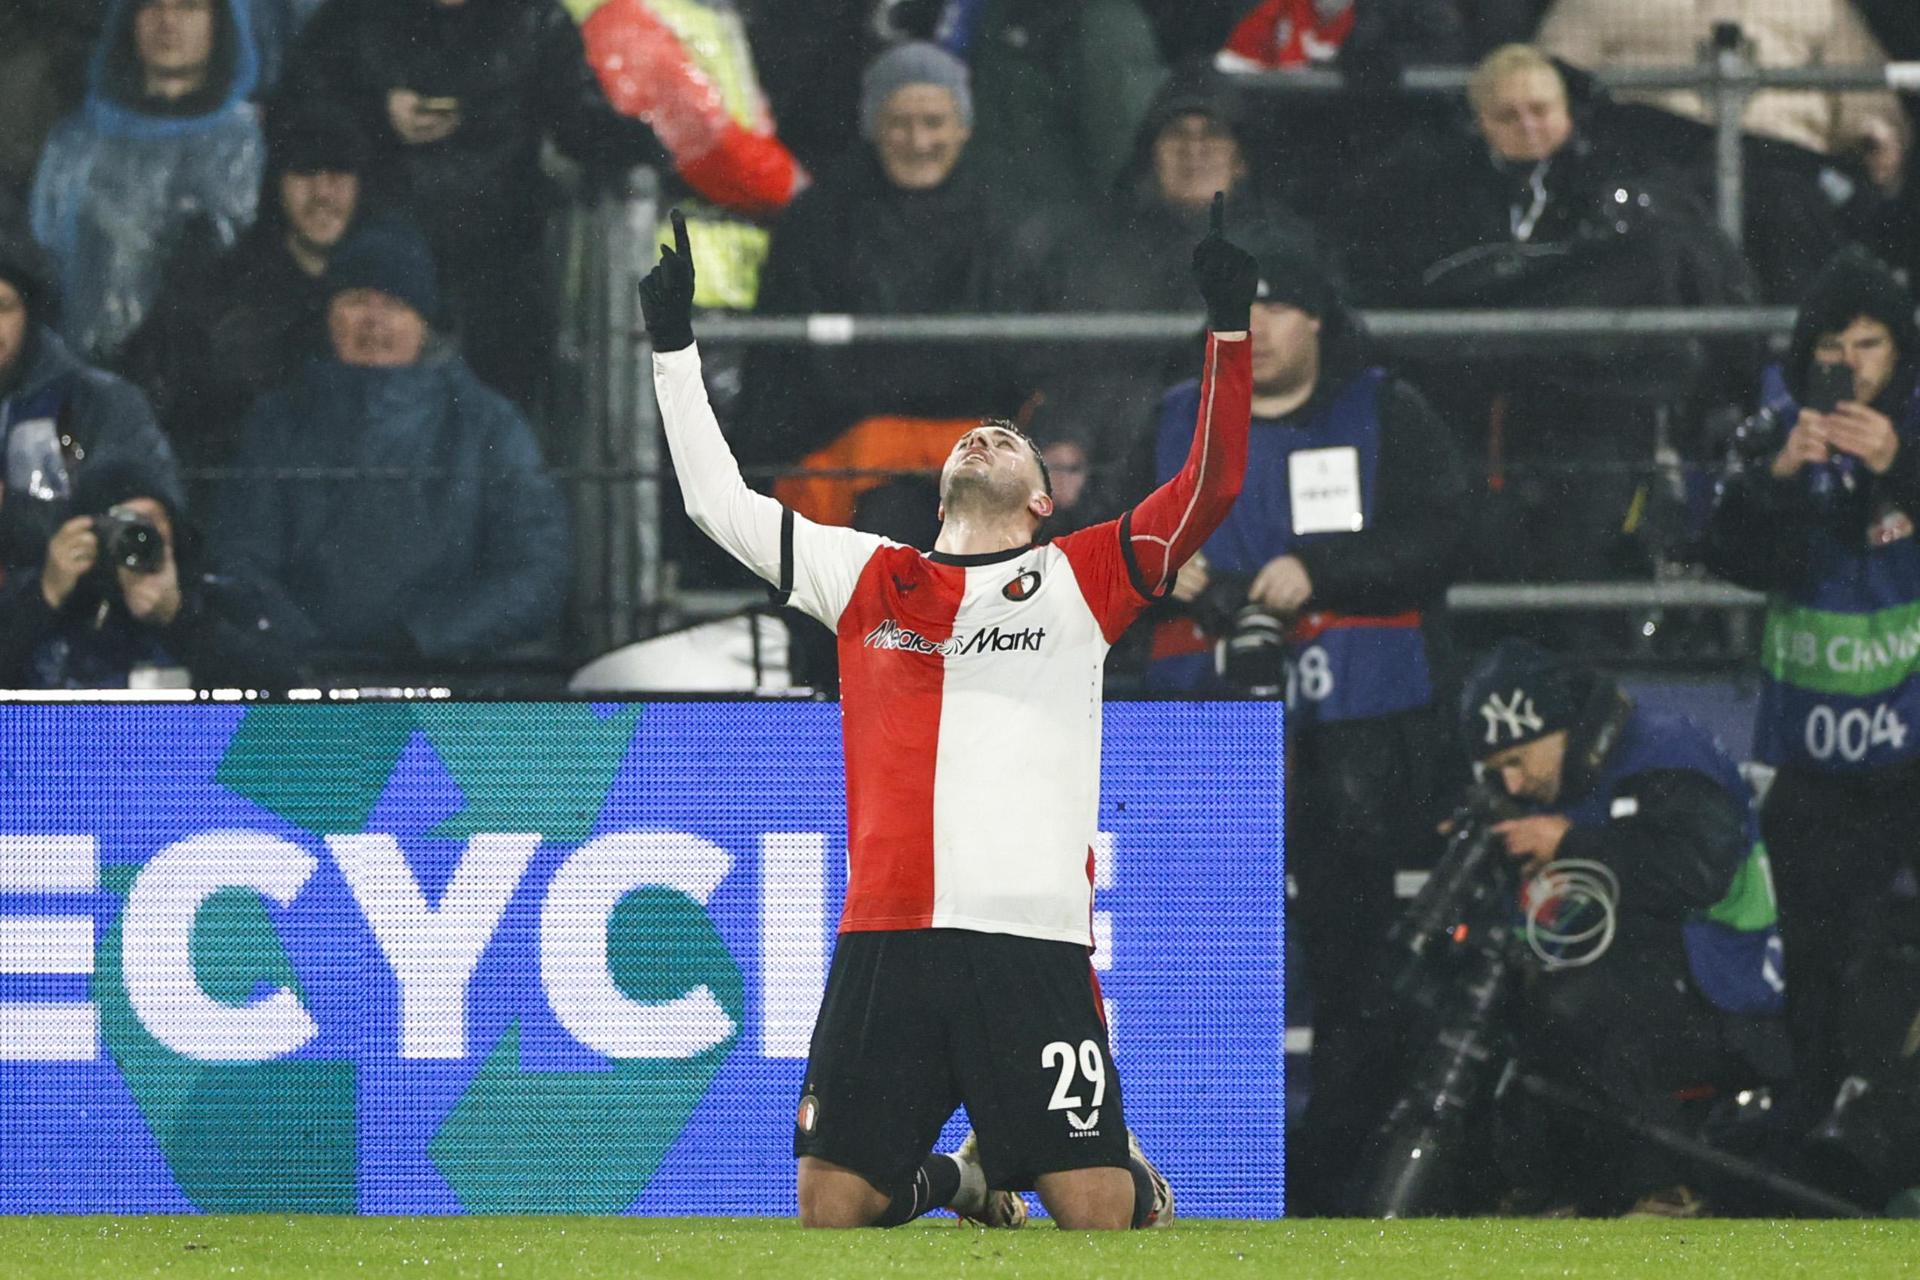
(971, 1198)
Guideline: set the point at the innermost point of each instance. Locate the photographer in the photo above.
(1321, 580)
(121, 599)
(57, 415)
(1686, 992)
(1823, 520)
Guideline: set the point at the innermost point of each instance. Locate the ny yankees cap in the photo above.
(1517, 694)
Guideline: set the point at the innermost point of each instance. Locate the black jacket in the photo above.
(854, 243)
(1762, 531)
(519, 71)
(227, 633)
(224, 332)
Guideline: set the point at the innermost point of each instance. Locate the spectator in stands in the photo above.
(1059, 90)
(1819, 163)
(225, 330)
(1686, 992)
(1130, 254)
(1531, 209)
(1329, 567)
(1823, 520)
(457, 97)
(458, 560)
(902, 226)
(43, 75)
(58, 417)
(123, 599)
(1352, 35)
(166, 146)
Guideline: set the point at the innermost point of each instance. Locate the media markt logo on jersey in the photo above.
(996, 639)
(455, 937)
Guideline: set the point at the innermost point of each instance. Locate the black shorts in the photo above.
(918, 1022)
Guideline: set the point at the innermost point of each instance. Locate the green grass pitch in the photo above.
(579, 1248)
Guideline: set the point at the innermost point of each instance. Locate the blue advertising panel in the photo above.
(444, 957)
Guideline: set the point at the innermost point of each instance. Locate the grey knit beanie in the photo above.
(915, 62)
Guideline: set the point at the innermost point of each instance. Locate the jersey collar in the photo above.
(984, 557)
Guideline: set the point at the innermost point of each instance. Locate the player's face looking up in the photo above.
(1866, 347)
(919, 136)
(1532, 770)
(1286, 349)
(993, 470)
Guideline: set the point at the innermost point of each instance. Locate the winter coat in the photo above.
(1446, 223)
(854, 243)
(122, 179)
(222, 334)
(519, 73)
(226, 633)
(463, 556)
(59, 416)
(1833, 545)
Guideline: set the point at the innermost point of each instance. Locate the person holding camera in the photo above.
(1321, 581)
(57, 414)
(1685, 987)
(122, 600)
(1823, 520)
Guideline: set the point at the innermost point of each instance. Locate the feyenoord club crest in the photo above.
(1022, 587)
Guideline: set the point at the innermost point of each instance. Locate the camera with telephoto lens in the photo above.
(1455, 954)
(130, 541)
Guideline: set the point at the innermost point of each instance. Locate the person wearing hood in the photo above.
(58, 416)
(902, 226)
(1823, 521)
(437, 537)
(457, 98)
(166, 145)
(1323, 582)
(1688, 989)
(228, 328)
(1129, 254)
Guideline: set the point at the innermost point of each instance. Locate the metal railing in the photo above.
(625, 592)
(1726, 75)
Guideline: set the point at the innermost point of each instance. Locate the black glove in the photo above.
(1228, 275)
(666, 294)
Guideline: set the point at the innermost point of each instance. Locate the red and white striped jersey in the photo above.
(970, 686)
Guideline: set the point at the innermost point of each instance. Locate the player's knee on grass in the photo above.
(831, 1196)
(1088, 1199)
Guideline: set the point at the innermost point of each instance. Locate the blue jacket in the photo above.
(104, 419)
(120, 182)
(457, 548)
(1666, 810)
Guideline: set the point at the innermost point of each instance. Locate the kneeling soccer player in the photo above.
(970, 695)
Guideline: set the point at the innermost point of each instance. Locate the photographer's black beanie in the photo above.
(1519, 693)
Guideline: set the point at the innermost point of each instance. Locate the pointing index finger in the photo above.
(1218, 216)
(680, 236)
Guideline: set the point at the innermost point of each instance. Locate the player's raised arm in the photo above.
(1171, 523)
(746, 523)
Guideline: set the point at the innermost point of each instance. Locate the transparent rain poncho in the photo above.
(121, 182)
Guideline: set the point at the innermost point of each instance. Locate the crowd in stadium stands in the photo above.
(300, 247)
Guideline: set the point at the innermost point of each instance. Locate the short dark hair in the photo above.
(1006, 425)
